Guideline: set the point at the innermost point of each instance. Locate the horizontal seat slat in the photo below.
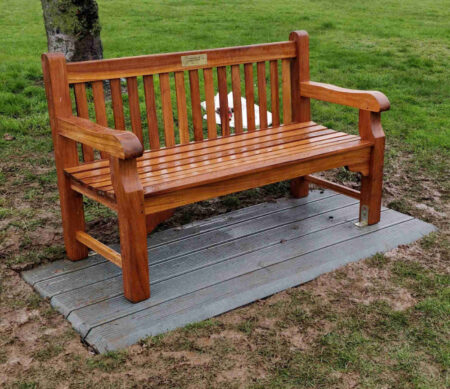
(199, 163)
(242, 169)
(206, 154)
(148, 160)
(227, 164)
(88, 71)
(195, 146)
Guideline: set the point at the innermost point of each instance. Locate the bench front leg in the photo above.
(372, 184)
(132, 227)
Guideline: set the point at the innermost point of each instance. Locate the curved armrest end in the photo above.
(132, 147)
(382, 100)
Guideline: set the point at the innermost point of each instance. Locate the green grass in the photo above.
(401, 49)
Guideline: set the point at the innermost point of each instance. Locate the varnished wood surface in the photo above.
(163, 63)
(366, 100)
(183, 168)
(217, 160)
(121, 144)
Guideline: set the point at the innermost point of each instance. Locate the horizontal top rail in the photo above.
(164, 63)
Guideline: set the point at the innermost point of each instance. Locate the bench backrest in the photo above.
(159, 96)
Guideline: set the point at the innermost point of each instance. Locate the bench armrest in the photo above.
(366, 100)
(117, 143)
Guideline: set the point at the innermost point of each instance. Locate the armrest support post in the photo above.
(132, 227)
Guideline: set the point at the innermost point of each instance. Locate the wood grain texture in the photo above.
(181, 168)
(274, 93)
(262, 94)
(210, 106)
(366, 100)
(66, 153)
(242, 182)
(237, 105)
(166, 63)
(372, 185)
(230, 153)
(197, 120)
(132, 229)
(286, 91)
(183, 126)
(152, 119)
(83, 112)
(227, 158)
(100, 108)
(299, 187)
(223, 100)
(117, 104)
(135, 110)
(99, 248)
(249, 96)
(120, 144)
(169, 136)
(322, 183)
(301, 111)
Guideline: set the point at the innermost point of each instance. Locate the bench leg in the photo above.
(156, 218)
(372, 184)
(371, 191)
(299, 187)
(133, 231)
(72, 213)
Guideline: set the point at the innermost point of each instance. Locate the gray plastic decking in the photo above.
(213, 266)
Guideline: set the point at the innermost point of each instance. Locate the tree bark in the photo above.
(73, 28)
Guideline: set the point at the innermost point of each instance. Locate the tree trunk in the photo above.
(73, 28)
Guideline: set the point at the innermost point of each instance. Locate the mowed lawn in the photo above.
(382, 322)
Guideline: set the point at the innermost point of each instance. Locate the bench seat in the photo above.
(199, 163)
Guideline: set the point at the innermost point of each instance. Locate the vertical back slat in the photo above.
(99, 107)
(223, 99)
(249, 96)
(286, 88)
(135, 111)
(152, 119)
(83, 112)
(262, 94)
(181, 107)
(117, 104)
(164, 84)
(275, 99)
(237, 106)
(197, 120)
(210, 106)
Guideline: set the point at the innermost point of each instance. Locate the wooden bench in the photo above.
(188, 161)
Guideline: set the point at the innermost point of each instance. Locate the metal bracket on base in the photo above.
(364, 217)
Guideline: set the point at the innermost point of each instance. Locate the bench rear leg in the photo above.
(299, 187)
(72, 212)
(133, 230)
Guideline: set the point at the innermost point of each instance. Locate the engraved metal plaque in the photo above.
(194, 60)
